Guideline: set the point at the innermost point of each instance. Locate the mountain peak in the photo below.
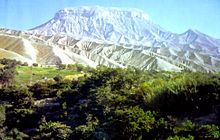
(107, 24)
(197, 33)
(88, 11)
(118, 26)
(192, 31)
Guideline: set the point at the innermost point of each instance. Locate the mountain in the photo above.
(120, 26)
(197, 41)
(50, 50)
(119, 38)
(110, 25)
(123, 27)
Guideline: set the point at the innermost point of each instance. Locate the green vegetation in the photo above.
(28, 74)
(7, 71)
(113, 103)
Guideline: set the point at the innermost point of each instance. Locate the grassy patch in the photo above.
(33, 74)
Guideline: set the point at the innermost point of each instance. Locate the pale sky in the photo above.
(173, 15)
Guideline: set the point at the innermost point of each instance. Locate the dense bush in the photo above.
(7, 71)
(117, 103)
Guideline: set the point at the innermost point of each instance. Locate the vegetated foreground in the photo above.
(27, 74)
(112, 103)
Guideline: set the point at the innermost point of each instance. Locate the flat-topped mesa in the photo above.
(86, 11)
(115, 25)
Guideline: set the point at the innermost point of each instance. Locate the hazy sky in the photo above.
(173, 15)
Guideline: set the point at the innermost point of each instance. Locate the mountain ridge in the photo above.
(95, 27)
(87, 35)
(92, 54)
(120, 29)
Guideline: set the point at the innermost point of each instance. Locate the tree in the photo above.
(42, 90)
(18, 96)
(58, 78)
(208, 132)
(16, 134)
(54, 130)
(134, 123)
(88, 129)
(7, 75)
(35, 64)
(24, 64)
(79, 67)
(189, 137)
(7, 71)
(61, 66)
(2, 115)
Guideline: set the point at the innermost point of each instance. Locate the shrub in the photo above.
(35, 64)
(54, 130)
